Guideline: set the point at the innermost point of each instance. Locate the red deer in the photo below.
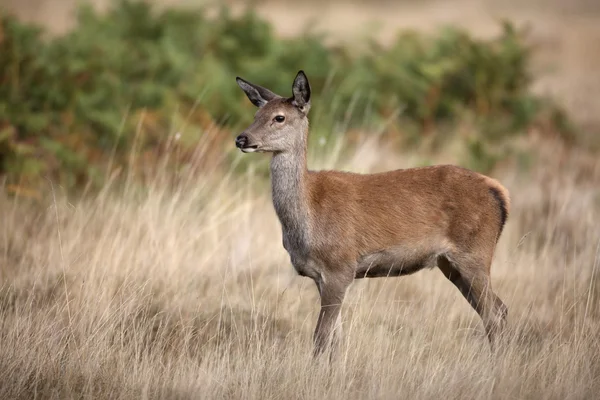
(340, 226)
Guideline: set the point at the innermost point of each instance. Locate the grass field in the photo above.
(184, 291)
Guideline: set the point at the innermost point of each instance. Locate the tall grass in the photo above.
(184, 291)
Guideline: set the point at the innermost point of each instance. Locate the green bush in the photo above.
(69, 104)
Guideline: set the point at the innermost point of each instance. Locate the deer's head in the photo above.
(280, 124)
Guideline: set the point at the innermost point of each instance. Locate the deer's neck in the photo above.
(290, 197)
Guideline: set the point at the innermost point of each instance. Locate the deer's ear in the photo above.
(258, 95)
(301, 91)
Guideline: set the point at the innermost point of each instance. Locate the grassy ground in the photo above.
(184, 291)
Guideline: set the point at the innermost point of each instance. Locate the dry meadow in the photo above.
(183, 290)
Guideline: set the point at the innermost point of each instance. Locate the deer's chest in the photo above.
(291, 208)
(299, 250)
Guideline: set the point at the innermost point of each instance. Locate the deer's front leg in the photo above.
(329, 327)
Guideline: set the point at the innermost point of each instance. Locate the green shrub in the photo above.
(71, 103)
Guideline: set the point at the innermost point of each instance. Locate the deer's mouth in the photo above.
(249, 149)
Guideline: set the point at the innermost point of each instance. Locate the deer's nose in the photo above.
(241, 141)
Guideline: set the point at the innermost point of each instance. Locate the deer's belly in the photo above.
(394, 262)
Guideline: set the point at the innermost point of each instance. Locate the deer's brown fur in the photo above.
(338, 226)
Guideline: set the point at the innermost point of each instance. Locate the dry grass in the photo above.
(187, 293)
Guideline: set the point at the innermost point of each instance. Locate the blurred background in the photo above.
(81, 78)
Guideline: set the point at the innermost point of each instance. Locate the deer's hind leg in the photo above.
(471, 276)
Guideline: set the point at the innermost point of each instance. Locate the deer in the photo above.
(339, 226)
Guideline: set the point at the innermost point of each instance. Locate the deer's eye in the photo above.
(279, 118)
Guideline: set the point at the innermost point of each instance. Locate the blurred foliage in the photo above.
(75, 106)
